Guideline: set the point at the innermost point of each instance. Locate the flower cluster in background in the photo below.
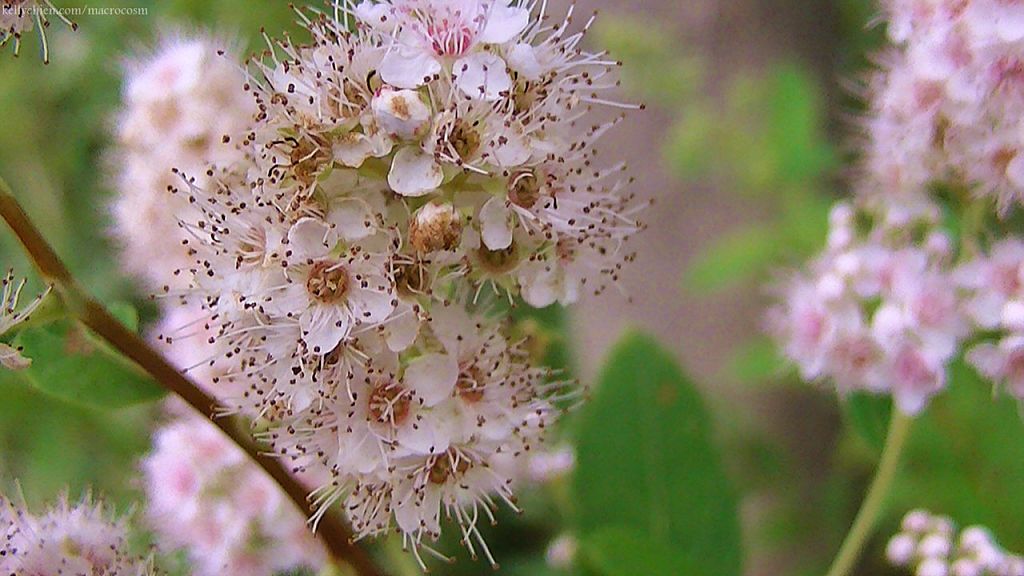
(930, 545)
(946, 104)
(894, 296)
(68, 539)
(182, 104)
(204, 495)
(351, 249)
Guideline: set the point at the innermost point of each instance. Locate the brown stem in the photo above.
(335, 536)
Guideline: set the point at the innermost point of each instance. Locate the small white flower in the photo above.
(333, 293)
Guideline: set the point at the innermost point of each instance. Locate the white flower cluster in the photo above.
(878, 310)
(947, 106)
(181, 103)
(79, 540)
(19, 16)
(409, 169)
(930, 546)
(204, 495)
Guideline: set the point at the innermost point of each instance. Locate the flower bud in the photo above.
(916, 521)
(934, 545)
(435, 227)
(562, 551)
(1013, 315)
(932, 567)
(900, 549)
(966, 567)
(401, 112)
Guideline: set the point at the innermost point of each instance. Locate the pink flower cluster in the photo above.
(204, 495)
(948, 101)
(877, 310)
(892, 300)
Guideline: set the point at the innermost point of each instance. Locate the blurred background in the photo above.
(751, 107)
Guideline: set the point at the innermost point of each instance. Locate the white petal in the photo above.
(431, 510)
(540, 283)
(414, 172)
(351, 217)
(311, 238)
(352, 149)
(293, 297)
(404, 67)
(432, 377)
(454, 328)
(372, 305)
(377, 15)
(408, 512)
(482, 76)
(504, 23)
(402, 330)
(423, 436)
(1010, 24)
(323, 327)
(910, 401)
(496, 224)
(509, 148)
(523, 59)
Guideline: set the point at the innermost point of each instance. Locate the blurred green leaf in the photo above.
(735, 258)
(71, 364)
(646, 462)
(693, 148)
(794, 130)
(656, 65)
(618, 551)
(868, 415)
(757, 360)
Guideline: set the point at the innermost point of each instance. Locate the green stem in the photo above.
(335, 535)
(873, 505)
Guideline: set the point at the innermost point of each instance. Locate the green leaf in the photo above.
(757, 360)
(619, 551)
(795, 134)
(646, 462)
(868, 415)
(739, 256)
(71, 364)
